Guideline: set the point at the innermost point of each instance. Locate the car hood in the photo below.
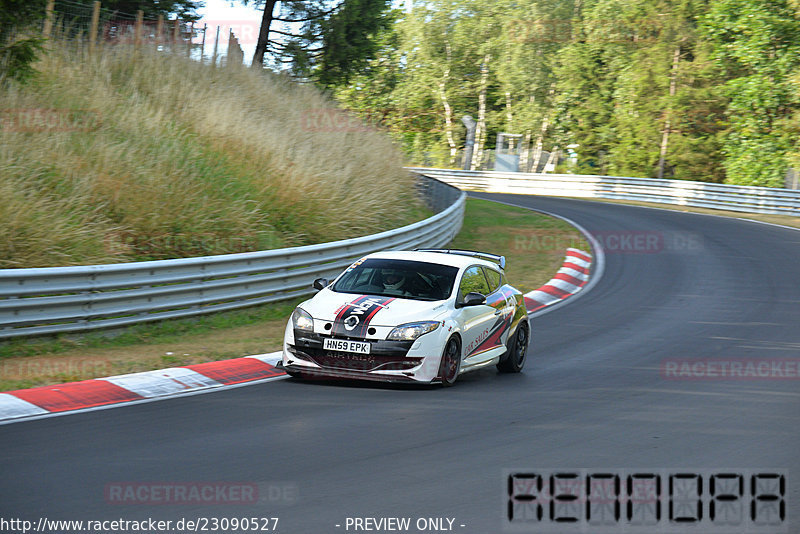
(385, 311)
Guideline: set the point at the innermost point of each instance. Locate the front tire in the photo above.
(516, 351)
(451, 362)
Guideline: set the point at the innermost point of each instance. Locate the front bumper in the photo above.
(342, 374)
(390, 361)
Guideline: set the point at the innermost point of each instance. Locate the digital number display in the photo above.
(660, 500)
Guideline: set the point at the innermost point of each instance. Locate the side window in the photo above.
(493, 277)
(473, 280)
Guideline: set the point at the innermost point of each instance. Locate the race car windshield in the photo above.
(398, 278)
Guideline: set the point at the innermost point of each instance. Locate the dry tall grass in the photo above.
(163, 157)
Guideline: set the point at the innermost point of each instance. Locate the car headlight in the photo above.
(301, 320)
(411, 331)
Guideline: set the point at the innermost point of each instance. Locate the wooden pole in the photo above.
(231, 42)
(175, 31)
(47, 30)
(137, 32)
(203, 46)
(216, 45)
(160, 30)
(189, 42)
(94, 26)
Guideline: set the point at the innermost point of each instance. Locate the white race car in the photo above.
(413, 316)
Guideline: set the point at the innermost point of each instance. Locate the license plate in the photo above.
(342, 345)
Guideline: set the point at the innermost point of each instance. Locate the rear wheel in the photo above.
(516, 349)
(451, 362)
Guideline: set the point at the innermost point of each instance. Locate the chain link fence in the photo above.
(92, 24)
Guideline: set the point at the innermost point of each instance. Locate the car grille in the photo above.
(363, 362)
(352, 361)
(385, 355)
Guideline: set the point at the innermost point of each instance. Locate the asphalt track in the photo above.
(594, 394)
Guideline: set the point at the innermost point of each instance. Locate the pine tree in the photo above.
(17, 53)
(327, 44)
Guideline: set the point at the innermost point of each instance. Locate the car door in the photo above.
(504, 304)
(476, 321)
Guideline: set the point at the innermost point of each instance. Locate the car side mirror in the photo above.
(473, 298)
(320, 283)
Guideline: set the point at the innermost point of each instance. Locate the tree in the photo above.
(429, 69)
(670, 78)
(348, 39)
(757, 43)
(687, 89)
(435, 73)
(535, 32)
(638, 91)
(586, 82)
(18, 53)
(325, 44)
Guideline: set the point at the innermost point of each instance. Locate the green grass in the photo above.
(26, 363)
(534, 246)
(181, 159)
(168, 331)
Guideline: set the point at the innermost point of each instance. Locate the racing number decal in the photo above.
(353, 319)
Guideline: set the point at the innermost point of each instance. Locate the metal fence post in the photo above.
(469, 145)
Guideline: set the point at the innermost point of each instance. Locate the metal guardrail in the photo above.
(740, 198)
(67, 299)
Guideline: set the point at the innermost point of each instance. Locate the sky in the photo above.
(244, 21)
(227, 15)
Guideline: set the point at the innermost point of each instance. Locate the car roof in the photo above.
(442, 258)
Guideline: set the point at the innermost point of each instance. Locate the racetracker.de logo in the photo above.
(245, 31)
(203, 493)
(541, 240)
(37, 120)
(630, 242)
(32, 368)
(734, 369)
(329, 120)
